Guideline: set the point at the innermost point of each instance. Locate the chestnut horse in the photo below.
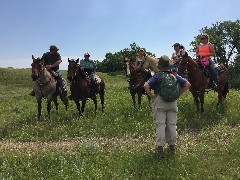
(45, 86)
(136, 82)
(81, 86)
(200, 81)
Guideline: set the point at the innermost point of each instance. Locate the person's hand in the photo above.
(48, 67)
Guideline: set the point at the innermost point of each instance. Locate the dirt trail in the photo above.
(127, 142)
(184, 141)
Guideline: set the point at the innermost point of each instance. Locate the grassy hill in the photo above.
(116, 144)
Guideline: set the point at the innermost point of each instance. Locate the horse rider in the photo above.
(139, 57)
(89, 67)
(147, 61)
(177, 56)
(144, 63)
(204, 52)
(52, 60)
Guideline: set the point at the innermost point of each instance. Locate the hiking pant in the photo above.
(165, 119)
(213, 72)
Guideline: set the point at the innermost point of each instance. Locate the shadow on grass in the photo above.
(189, 119)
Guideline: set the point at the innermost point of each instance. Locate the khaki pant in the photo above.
(165, 119)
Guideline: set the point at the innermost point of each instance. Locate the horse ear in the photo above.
(68, 60)
(77, 61)
(33, 57)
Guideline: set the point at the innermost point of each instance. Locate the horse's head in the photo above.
(129, 67)
(73, 69)
(183, 65)
(37, 66)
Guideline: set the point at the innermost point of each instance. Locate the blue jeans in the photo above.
(213, 72)
(93, 81)
(60, 79)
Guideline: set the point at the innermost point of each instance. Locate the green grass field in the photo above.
(116, 144)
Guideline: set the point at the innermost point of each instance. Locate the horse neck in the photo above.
(79, 77)
(134, 73)
(44, 76)
(193, 68)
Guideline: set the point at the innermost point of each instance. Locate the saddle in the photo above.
(219, 69)
(54, 74)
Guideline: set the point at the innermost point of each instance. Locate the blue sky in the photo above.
(100, 26)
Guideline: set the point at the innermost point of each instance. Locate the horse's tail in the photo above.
(103, 85)
(226, 90)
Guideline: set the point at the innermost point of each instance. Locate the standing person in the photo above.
(204, 52)
(89, 66)
(164, 111)
(52, 60)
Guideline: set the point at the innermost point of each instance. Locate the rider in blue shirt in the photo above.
(89, 67)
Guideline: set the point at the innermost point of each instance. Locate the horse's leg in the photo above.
(226, 90)
(220, 94)
(64, 99)
(202, 93)
(39, 108)
(195, 96)
(102, 100)
(83, 105)
(48, 108)
(55, 102)
(95, 104)
(133, 98)
(78, 106)
(139, 99)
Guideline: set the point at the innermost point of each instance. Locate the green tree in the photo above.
(226, 39)
(234, 71)
(114, 62)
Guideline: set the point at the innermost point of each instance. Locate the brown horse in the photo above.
(45, 86)
(81, 87)
(200, 81)
(136, 82)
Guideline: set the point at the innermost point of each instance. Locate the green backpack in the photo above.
(169, 88)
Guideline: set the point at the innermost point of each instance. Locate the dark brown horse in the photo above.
(45, 86)
(136, 82)
(81, 87)
(200, 81)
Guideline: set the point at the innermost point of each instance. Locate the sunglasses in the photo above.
(203, 38)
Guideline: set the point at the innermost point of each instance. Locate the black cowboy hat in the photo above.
(53, 47)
